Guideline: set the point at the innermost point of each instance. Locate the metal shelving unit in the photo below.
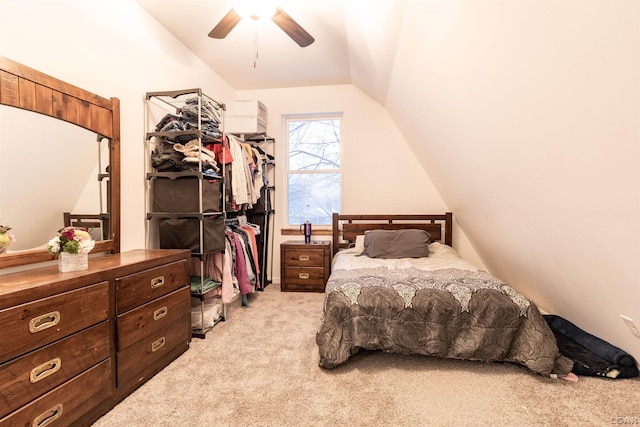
(204, 181)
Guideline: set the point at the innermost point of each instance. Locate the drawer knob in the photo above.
(303, 275)
(157, 344)
(157, 282)
(47, 417)
(44, 321)
(160, 313)
(44, 370)
(303, 258)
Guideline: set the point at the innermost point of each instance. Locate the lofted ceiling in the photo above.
(355, 42)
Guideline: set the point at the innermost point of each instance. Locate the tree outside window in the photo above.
(313, 179)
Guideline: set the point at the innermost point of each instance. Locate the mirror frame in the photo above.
(28, 89)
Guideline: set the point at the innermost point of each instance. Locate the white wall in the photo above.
(380, 173)
(527, 116)
(114, 49)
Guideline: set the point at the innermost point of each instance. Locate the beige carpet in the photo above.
(260, 368)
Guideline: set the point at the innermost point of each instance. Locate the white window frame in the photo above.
(286, 118)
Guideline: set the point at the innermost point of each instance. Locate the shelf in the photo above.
(257, 137)
(202, 295)
(197, 215)
(195, 133)
(183, 174)
(178, 98)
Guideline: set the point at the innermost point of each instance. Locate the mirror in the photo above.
(50, 167)
(53, 161)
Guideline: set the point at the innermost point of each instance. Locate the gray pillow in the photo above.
(406, 243)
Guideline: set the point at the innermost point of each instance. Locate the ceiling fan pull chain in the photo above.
(255, 43)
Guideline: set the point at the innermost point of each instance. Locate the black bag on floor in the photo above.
(591, 356)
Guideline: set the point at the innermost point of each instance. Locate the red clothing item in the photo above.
(222, 151)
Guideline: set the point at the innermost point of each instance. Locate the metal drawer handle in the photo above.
(160, 313)
(47, 417)
(303, 258)
(157, 282)
(157, 345)
(44, 370)
(303, 275)
(44, 321)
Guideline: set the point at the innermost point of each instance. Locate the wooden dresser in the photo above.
(304, 266)
(72, 345)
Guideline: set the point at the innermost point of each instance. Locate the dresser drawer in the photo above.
(304, 257)
(153, 316)
(139, 288)
(34, 374)
(66, 403)
(146, 356)
(28, 326)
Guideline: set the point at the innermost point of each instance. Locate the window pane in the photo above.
(313, 196)
(314, 144)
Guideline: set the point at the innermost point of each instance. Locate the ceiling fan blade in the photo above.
(226, 24)
(292, 28)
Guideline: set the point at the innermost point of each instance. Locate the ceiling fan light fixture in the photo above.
(255, 9)
(279, 17)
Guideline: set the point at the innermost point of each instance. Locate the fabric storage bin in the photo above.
(181, 194)
(184, 233)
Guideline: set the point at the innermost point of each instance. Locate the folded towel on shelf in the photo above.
(200, 286)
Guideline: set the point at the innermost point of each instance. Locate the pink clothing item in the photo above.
(241, 269)
(217, 266)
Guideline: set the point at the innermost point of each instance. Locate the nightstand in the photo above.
(304, 267)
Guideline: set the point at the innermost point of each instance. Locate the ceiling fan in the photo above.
(280, 17)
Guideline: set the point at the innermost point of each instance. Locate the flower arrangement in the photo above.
(73, 240)
(6, 238)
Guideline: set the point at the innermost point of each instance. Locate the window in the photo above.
(312, 145)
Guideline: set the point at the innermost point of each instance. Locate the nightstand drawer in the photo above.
(304, 257)
(305, 275)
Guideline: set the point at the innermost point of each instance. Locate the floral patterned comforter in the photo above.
(461, 313)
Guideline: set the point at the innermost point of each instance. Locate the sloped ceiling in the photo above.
(353, 44)
(526, 116)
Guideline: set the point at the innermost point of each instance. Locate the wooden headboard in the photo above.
(347, 227)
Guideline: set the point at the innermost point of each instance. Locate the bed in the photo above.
(436, 305)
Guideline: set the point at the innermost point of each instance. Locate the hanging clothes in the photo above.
(250, 231)
(258, 177)
(239, 173)
(240, 267)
